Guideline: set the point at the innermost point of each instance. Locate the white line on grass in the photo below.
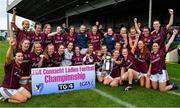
(114, 99)
(175, 93)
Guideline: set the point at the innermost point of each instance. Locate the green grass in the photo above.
(139, 97)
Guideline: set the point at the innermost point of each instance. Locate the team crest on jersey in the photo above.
(157, 55)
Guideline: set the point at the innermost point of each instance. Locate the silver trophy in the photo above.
(107, 65)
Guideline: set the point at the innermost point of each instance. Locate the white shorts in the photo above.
(159, 77)
(98, 73)
(108, 76)
(24, 82)
(167, 76)
(8, 93)
(83, 51)
(140, 74)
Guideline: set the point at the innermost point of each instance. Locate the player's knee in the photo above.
(162, 89)
(113, 84)
(100, 80)
(148, 86)
(29, 96)
(142, 84)
(22, 100)
(106, 82)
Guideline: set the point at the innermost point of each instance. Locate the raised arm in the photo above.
(52, 34)
(171, 39)
(11, 34)
(58, 31)
(130, 40)
(13, 22)
(136, 26)
(135, 44)
(9, 54)
(171, 12)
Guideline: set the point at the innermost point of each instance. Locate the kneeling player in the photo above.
(113, 77)
(10, 89)
(157, 58)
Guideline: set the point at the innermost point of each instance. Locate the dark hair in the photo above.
(145, 27)
(21, 42)
(37, 24)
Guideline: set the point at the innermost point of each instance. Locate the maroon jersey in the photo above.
(12, 75)
(48, 62)
(133, 38)
(142, 61)
(26, 62)
(164, 61)
(160, 37)
(157, 61)
(121, 40)
(129, 63)
(37, 38)
(116, 72)
(70, 38)
(77, 60)
(147, 41)
(95, 40)
(97, 58)
(20, 35)
(58, 59)
(34, 58)
(47, 40)
(88, 61)
(58, 40)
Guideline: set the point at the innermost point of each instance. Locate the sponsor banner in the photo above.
(62, 79)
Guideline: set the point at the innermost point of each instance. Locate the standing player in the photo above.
(82, 39)
(36, 35)
(132, 36)
(46, 31)
(20, 33)
(70, 37)
(157, 58)
(145, 35)
(109, 40)
(95, 38)
(10, 89)
(159, 34)
(58, 37)
(122, 37)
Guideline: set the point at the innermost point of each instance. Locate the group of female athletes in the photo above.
(135, 54)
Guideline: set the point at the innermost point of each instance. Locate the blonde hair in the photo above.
(45, 26)
(33, 47)
(45, 53)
